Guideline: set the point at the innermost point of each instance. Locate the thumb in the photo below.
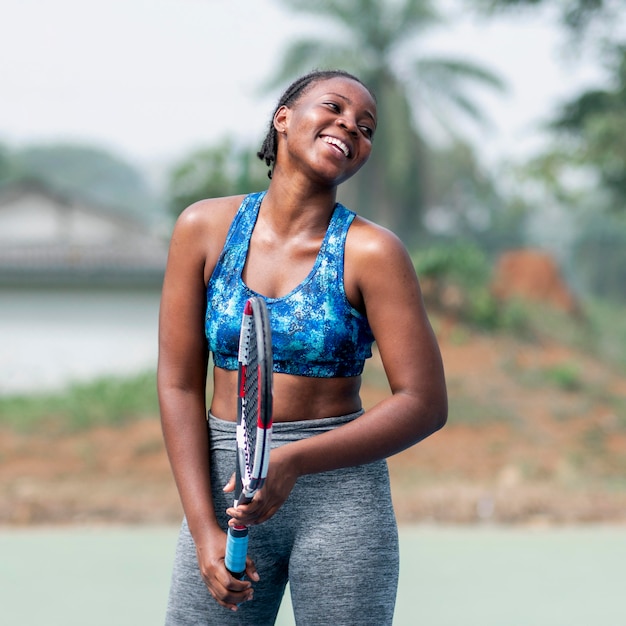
(230, 485)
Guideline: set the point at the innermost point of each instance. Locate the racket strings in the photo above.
(250, 404)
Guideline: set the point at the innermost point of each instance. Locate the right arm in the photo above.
(181, 381)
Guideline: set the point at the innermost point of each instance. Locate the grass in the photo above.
(103, 402)
(565, 376)
(607, 330)
(465, 407)
(600, 329)
(116, 401)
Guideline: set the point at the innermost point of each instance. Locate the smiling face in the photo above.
(328, 131)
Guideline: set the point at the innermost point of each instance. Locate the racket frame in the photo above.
(250, 476)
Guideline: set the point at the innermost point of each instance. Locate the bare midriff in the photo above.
(295, 397)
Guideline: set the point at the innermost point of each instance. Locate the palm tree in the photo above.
(376, 40)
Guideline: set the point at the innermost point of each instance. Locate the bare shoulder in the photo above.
(377, 267)
(199, 236)
(207, 218)
(369, 245)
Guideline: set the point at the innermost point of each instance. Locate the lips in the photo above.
(334, 141)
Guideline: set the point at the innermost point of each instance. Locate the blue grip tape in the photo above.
(236, 551)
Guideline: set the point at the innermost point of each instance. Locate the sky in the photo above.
(153, 79)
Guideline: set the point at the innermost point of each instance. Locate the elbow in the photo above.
(440, 418)
(440, 414)
(427, 413)
(439, 407)
(436, 416)
(427, 416)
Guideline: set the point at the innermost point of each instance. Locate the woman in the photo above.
(334, 283)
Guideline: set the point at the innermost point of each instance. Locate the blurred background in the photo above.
(500, 160)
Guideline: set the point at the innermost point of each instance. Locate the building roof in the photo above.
(50, 238)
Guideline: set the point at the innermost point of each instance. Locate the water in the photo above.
(49, 338)
(449, 577)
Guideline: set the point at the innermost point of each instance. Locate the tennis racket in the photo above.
(254, 421)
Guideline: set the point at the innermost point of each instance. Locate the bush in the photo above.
(103, 402)
(456, 279)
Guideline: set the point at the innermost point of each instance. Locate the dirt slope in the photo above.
(521, 445)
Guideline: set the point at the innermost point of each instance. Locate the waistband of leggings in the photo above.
(289, 430)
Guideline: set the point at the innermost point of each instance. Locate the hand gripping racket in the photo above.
(254, 421)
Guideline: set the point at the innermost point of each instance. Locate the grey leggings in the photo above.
(335, 540)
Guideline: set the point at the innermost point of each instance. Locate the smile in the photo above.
(333, 141)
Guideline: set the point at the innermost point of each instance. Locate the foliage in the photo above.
(581, 176)
(565, 376)
(599, 256)
(83, 171)
(469, 409)
(103, 402)
(462, 262)
(375, 40)
(576, 16)
(6, 164)
(88, 171)
(595, 125)
(466, 202)
(456, 279)
(605, 330)
(221, 170)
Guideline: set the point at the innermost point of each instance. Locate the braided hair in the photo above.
(291, 95)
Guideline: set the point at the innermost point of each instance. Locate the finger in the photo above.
(241, 512)
(232, 600)
(230, 592)
(237, 522)
(240, 590)
(230, 485)
(251, 571)
(263, 515)
(242, 518)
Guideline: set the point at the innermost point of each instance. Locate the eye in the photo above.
(333, 106)
(367, 131)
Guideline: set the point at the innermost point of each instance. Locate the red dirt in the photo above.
(536, 453)
(517, 448)
(533, 275)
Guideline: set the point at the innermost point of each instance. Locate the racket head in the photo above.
(254, 408)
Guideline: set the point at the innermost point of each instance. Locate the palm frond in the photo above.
(345, 10)
(306, 55)
(415, 15)
(455, 71)
(464, 104)
(442, 87)
(377, 24)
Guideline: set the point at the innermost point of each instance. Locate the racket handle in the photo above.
(236, 550)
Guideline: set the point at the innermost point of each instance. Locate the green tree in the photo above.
(576, 16)
(6, 164)
(467, 204)
(89, 172)
(221, 170)
(375, 39)
(587, 157)
(594, 124)
(599, 256)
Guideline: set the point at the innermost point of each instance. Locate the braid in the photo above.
(269, 147)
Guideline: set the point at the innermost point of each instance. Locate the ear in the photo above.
(281, 119)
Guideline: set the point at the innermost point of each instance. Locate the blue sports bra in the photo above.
(315, 330)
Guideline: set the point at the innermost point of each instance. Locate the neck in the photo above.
(295, 205)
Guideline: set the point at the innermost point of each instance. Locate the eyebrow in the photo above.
(345, 99)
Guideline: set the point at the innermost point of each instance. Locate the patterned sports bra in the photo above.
(315, 330)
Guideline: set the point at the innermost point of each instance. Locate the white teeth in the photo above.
(337, 142)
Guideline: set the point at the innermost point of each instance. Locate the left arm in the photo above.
(380, 275)
(379, 271)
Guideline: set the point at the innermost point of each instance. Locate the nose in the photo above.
(348, 123)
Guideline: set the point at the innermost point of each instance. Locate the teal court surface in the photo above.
(458, 576)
